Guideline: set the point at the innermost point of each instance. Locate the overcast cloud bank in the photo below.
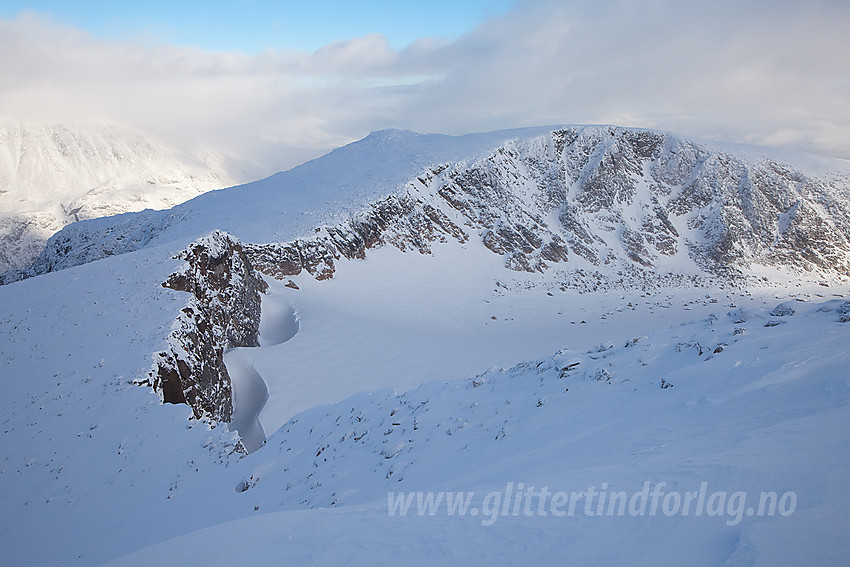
(762, 72)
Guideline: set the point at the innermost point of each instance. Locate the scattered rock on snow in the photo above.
(782, 310)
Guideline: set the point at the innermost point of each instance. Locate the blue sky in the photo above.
(254, 25)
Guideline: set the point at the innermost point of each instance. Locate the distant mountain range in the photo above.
(55, 174)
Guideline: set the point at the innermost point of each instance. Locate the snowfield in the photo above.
(380, 398)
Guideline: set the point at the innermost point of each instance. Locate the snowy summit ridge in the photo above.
(600, 195)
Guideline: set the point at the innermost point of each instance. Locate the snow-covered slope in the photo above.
(95, 468)
(420, 331)
(55, 174)
(742, 405)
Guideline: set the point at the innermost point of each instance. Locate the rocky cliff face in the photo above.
(405, 221)
(223, 311)
(620, 196)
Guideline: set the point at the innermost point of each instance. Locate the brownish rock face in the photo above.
(223, 311)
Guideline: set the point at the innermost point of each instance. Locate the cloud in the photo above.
(773, 72)
(736, 70)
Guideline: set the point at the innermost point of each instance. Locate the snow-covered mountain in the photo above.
(577, 308)
(54, 174)
(587, 196)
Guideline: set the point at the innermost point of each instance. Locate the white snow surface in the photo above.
(409, 372)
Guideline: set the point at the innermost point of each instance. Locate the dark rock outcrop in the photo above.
(223, 312)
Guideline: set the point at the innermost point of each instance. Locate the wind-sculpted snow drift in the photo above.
(278, 324)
